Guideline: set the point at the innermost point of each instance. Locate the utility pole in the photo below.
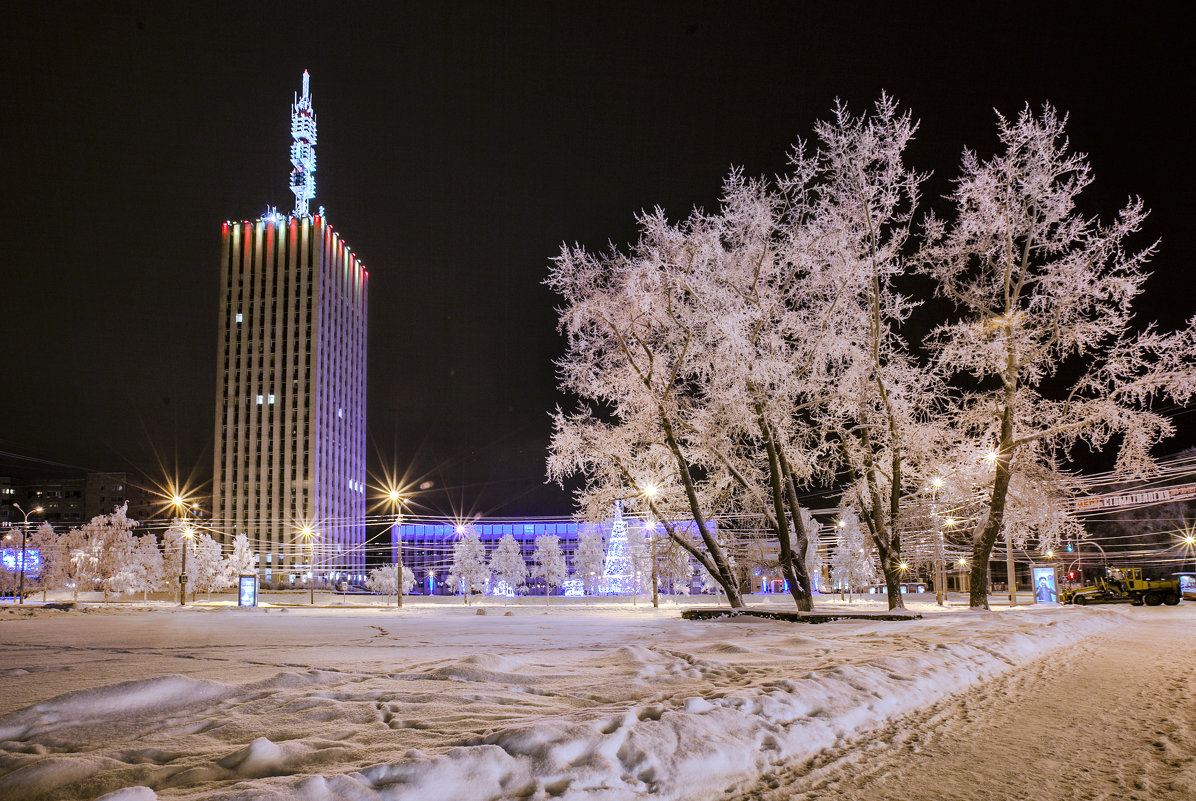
(24, 537)
(396, 504)
(182, 507)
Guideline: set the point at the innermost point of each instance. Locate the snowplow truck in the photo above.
(1125, 585)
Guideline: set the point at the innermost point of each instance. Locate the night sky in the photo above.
(459, 145)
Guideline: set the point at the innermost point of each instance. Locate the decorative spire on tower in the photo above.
(303, 151)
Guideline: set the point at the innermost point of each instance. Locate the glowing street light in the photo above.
(1189, 541)
(182, 508)
(24, 536)
(396, 500)
(308, 535)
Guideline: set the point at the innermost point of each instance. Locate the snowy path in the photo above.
(1111, 718)
(435, 702)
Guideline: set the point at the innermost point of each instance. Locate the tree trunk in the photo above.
(723, 570)
(982, 546)
(791, 568)
(884, 537)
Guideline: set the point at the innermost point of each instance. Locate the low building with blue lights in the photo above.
(427, 546)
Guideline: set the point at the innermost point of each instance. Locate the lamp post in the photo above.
(188, 534)
(308, 535)
(182, 510)
(24, 537)
(395, 499)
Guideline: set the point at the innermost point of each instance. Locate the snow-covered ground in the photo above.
(570, 701)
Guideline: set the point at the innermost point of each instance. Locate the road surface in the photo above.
(1111, 718)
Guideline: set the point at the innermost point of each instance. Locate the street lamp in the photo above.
(308, 535)
(396, 500)
(24, 537)
(182, 509)
(188, 535)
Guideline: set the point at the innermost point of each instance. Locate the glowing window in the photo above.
(240, 317)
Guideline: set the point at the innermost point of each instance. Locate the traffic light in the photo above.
(1069, 548)
(1071, 575)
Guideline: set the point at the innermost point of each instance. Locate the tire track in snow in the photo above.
(1113, 717)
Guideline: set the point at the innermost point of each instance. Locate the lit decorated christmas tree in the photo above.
(619, 572)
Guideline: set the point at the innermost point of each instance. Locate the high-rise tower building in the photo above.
(290, 467)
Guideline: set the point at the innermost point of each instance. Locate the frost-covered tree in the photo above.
(589, 561)
(206, 565)
(767, 329)
(629, 363)
(144, 572)
(108, 546)
(814, 555)
(881, 411)
(1045, 331)
(83, 569)
(384, 580)
(45, 541)
(242, 560)
(674, 567)
(641, 343)
(507, 563)
(469, 571)
(8, 578)
(852, 566)
(548, 563)
(702, 356)
(11, 538)
(69, 566)
(640, 561)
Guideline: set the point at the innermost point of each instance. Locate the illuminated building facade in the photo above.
(291, 385)
(427, 548)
